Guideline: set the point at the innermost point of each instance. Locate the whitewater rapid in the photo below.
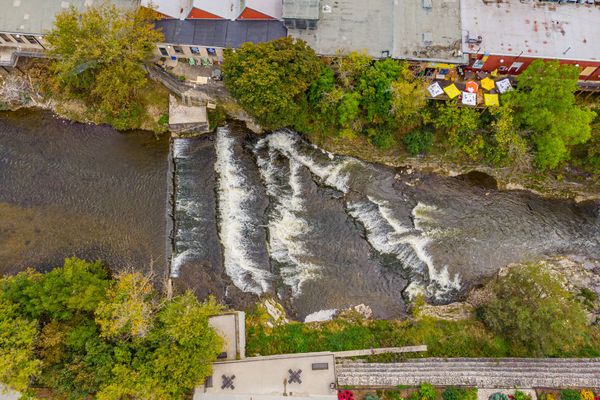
(282, 217)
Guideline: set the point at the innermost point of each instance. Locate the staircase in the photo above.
(480, 372)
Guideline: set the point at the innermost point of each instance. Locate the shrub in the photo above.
(418, 141)
(530, 308)
(570, 394)
(371, 397)
(519, 395)
(164, 119)
(587, 395)
(498, 396)
(426, 392)
(454, 393)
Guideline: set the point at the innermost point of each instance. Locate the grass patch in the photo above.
(468, 338)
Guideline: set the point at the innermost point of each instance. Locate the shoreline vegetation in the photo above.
(543, 138)
(527, 310)
(81, 329)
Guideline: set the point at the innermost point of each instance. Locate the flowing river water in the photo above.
(266, 215)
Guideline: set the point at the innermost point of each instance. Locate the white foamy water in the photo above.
(331, 173)
(234, 192)
(320, 316)
(287, 225)
(180, 146)
(389, 235)
(178, 260)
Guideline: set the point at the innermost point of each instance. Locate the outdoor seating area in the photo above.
(470, 88)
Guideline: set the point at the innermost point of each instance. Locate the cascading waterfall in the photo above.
(279, 215)
(286, 223)
(236, 221)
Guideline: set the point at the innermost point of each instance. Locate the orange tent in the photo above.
(472, 87)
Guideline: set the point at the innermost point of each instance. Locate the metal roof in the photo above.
(37, 16)
(541, 30)
(220, 33)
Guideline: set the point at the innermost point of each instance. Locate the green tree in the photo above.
(172, 359)
(545, 104)
(271, 79)
(76, 287)
(408, 98)
(532, 310)
(508, 147)
(18, 363)
(461, 125)
(375, 86)
(98, 56)
(351, 67)
(348, 109)
(129, 307)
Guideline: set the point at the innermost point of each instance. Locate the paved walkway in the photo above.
(480, 372)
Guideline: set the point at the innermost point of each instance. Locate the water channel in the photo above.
(266, 215)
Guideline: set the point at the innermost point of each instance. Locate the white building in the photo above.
(217, 9)
(23, 24)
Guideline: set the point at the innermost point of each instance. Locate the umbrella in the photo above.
(452, 91)
(472, 87)
(487, 83)
(469, 99)
(503, 85)
(435, 89)
(491, 100)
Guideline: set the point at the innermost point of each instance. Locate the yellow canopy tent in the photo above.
(491, 100)
(452, 91)
(487, 83)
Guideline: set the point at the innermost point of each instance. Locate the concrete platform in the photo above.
(270, 376)
(184, 118)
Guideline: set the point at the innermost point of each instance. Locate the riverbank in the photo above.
(454, 330)
(28, 86)
(566, 183)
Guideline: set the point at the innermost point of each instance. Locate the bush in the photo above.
(426, 392)
(570, 394)
(498, 396)
(519, 395)
(454, 393)
(418, 141)
(587, 395)
(531, 309)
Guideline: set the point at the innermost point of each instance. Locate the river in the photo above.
(74, 189)
(267, 215)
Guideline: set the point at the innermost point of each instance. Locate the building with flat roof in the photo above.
(205, 39)
(23, 24)
(508, 35)
(427, 30)
(306, 375)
